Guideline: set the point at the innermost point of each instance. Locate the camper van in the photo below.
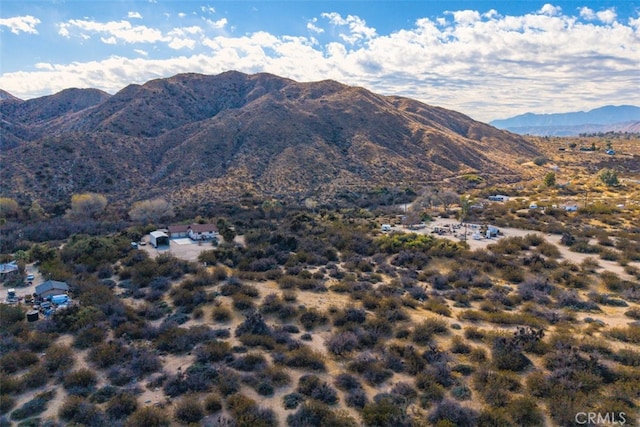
(386, 227)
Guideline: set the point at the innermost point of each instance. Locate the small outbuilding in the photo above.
(51, 288)
(8, 269)
(499, 198)
(158, 238)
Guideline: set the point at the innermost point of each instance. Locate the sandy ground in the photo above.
(474, 244)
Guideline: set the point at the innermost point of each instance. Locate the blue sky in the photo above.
(488, 59)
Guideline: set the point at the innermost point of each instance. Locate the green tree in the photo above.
(36, 211)
(550, 179)
(41, 253)
(226, 230)
(609, 177)
(87, 205)
(465, 205)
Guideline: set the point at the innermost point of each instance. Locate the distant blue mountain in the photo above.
(599, 119)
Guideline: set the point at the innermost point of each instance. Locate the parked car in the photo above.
(30, 277)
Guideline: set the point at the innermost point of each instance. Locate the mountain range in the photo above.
(623, 118)
(197, 137)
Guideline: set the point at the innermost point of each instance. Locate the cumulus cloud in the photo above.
(114, 30)
(356, 27)
(134, 15)
(219, 24)
(21, 24)
(587, 13)
(607, 16)
(550, 10)
(484, 64)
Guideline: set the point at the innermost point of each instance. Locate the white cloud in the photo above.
(21, 24)
(607, 16)
(357, 27)
(311, 26)
(587, 13)
(208, 9)
(111, 31)
(134, 15)
(550, 10)
(466, 17)
(219, 24)
(486, 65)
(181, 15)
(141, 52)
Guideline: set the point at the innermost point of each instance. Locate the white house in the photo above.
(571, 208)
(499, 198)
(194, 231)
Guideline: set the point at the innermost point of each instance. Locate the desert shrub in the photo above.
(633, 313)
(313, 387)
(303, 357)
(17, 360)
(108, 354)
(103, 394)
(495, 386)
(423, 332)
(630, 334)
(525, 412)
(473, 333)
(461, 392)
(10, 315)
(212, 403)
(220, 314)
(38, 341)
(459, 346)
(371, 369)
(242, 302)
(250, 362)
(33, 407)
(228, 382)
(77, 410)
(385, 412)
(457, 415)
(89, 336)
(122, 405)
(404, 391)
(292, 400)
(342, 343)
(254, 324)
(356, 398)
(188, 410)
(316, 414)
(58, 358)
(148, 416)
(7, 403)
(80, 382)
(347, 382)
(9, 384)
(478, 355)
(494, 417)
(312, 318)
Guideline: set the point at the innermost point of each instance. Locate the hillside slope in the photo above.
(194, 137)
